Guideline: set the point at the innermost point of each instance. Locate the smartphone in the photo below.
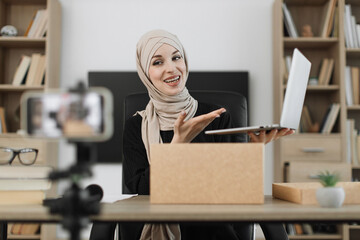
(76, 116)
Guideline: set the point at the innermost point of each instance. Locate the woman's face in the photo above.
(167, 70)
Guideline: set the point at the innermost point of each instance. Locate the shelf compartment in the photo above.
(310, 42)
(22, 42)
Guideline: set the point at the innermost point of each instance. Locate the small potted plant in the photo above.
(330, 195)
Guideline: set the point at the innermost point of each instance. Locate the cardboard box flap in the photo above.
(305, 193)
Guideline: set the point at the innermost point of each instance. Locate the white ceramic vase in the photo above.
(331, 197)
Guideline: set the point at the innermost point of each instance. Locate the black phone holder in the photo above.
(76, 204)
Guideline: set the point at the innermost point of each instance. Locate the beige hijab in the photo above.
(162, 110)
(161, 113)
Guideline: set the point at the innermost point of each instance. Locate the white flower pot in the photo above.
(331, 197)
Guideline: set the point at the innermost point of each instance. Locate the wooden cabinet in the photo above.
(311, 147)
(306, 171)
(304, 154)
(19, 14)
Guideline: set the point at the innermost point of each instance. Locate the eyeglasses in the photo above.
(27, 156)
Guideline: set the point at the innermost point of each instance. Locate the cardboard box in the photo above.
(207, 173)
(305, 193)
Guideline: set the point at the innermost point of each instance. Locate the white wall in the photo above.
(217, 35)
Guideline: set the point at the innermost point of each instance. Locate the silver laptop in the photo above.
(293, 101)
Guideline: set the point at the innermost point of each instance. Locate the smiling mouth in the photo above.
(172, 80)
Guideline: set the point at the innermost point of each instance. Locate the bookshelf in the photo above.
(19, 13)
(352, 56)
(304, 147)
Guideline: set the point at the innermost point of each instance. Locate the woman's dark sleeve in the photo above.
(135, 165)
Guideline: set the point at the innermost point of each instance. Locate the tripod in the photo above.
(77, 204)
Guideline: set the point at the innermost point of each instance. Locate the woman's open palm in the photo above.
(186, 131)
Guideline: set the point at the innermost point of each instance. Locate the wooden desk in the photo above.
(139, 209)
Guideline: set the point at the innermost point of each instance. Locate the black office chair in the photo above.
(235, 103)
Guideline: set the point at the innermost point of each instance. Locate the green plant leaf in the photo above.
(328, 179)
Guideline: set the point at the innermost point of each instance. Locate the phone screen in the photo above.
(68, 115)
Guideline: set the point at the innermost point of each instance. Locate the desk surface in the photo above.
(139, 209)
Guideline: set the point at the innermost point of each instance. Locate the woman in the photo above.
(173, 116)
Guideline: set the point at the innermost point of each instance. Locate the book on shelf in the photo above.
(335, 31)
(24, 228)
(354, 147)
(19, 197)
(40, 71)
(288, 60)
(15, 228)
(23, 184)
(329, 71)
(307, 229)
(37, 24)
(326, 70)
(286, 72)
(41, 29)
(290, 229)
(36, 70)
(355, 84)
(350, 124)
(328, 15)
(298, 229)
(24, 172)
(357, 31)
(351, 30)
(347, 28)
(331, 23)
(330, 118)
(289, 22)
(30, 24)
(348, 86)
(306, 123)
(322, 71)
(21, 70)
(352, 143)
(357, 142)
(3, 120)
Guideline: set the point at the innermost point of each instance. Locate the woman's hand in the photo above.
(186, 131)
(273, 135)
